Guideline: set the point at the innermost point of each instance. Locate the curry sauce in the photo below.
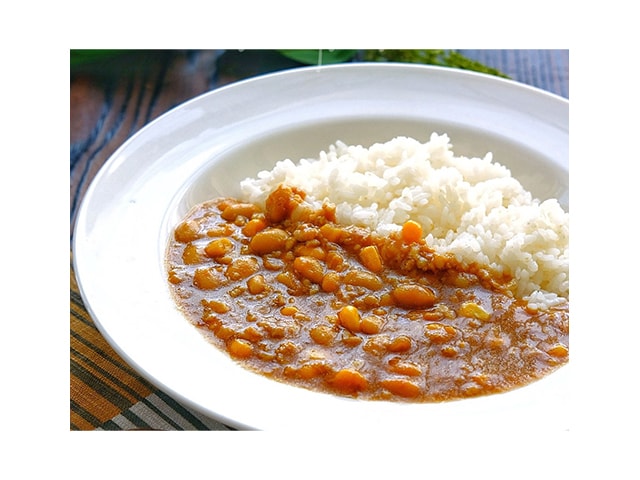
(294, 296)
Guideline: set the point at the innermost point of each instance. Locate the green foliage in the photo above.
(81, 57)
(319, 57)
(443, 58)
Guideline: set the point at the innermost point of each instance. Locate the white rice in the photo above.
(471, 207)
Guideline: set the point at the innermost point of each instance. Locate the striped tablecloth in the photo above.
(111, 100)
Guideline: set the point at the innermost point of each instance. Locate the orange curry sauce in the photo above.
(290, 294)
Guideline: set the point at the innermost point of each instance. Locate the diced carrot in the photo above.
(411, 231)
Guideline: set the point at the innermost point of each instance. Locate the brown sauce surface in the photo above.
(292, 295)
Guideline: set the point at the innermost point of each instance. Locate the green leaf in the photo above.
(319, 57)
(80, 57)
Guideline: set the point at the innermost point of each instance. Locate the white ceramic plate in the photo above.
(204, 147)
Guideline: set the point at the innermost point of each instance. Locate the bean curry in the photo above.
(292, 295)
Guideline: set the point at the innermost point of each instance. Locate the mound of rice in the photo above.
(471, 207)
